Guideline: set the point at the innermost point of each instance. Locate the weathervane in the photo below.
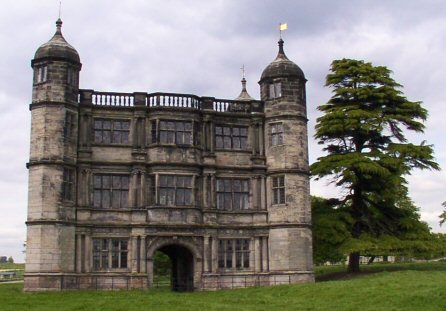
(60, 8)
(282, 26)
(243, 71)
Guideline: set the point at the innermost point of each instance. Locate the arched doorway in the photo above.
(182, 269)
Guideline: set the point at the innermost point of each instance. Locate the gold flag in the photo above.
(283, 26)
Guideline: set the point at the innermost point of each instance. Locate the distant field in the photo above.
(410, 287)
(18, 269)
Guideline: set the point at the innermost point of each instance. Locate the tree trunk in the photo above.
(371, 260)
(353, 262)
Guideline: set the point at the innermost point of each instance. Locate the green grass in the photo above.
(415, 287)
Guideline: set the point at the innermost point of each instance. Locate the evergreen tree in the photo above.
(363, 131)
(443, 215)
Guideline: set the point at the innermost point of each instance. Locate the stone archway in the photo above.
(185, 258)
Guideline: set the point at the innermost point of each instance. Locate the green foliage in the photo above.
(10, 259)
(161, 265)
(443, 215)
(417, 287)
(363, 130)
(331, 229)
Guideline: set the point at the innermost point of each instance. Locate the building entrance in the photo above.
(182, 267)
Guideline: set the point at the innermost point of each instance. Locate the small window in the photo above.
(109, 131)
(276, 134)
(275, 90)
(278, 188)
(232, 194)
(175, 190)
(69, 126)
(71, 76)
(227, 137)
(110, 254)
(68, 184)
(110, 191)
(42, 74)
(233, 253)
(175, 132)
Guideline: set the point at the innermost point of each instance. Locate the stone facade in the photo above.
(220, 186)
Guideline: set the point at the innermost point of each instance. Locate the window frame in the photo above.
(68, 183)
(114, 131)
(226, 188)
(173, 132)
(275, 90)
(278, 189)
(230, 134)
(111, 191)
(173, 189)
(110, 254)
(234, 254)
(69, 125)
(277, 134)
(41, 74)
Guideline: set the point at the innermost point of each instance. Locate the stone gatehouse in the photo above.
(220, 186)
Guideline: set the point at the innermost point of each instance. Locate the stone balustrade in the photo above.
(167, 100)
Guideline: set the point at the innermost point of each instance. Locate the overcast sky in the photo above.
(198, 47)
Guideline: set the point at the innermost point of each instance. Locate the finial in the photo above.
(281, 46)
(60, 8)
(243, 71)
(59, 26)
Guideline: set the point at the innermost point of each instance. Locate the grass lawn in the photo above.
(412, 287)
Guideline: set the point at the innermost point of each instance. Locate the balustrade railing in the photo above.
(112, 99)
(168, 100)
(173, 100)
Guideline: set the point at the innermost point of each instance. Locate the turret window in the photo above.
(227, 137)
(278, 187)
(275, 90)
(276, 134)
(71, 76)
(68, 130)
(42, 74)
(68, 184)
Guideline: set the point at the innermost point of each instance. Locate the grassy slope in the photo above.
(420, 289)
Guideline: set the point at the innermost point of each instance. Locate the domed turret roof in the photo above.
(244, 95)
(282, 67)
(57, 47)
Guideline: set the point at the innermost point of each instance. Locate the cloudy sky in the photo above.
(198, 47)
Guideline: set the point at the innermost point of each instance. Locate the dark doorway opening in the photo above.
(181, 267)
